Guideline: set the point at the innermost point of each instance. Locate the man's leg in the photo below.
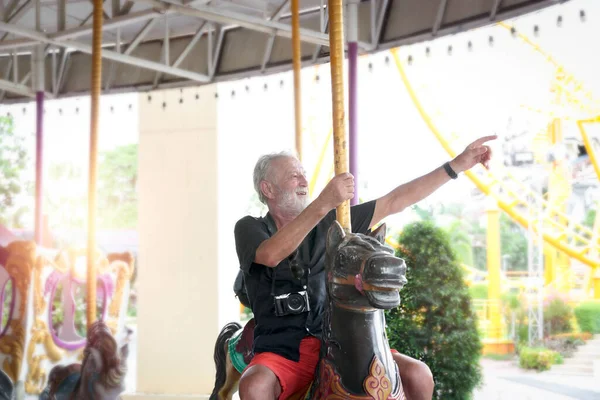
(417, 380)
(259, 383)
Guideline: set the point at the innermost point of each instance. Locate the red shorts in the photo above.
(293, 376)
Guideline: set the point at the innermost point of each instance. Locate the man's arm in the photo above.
(272, 251)
(418, 189)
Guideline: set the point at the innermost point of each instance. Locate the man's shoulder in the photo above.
(249, 220)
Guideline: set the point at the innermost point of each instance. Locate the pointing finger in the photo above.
(482, 140)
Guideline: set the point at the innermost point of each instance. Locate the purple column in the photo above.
(38, 71)
(39, 150)
(352, 111)
(352, 38)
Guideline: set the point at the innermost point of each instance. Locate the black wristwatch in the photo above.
(450, 171)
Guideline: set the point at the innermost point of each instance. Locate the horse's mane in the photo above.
(113, 368)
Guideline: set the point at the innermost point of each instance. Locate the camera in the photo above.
(291, 303)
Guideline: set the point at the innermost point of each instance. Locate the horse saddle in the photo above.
(240, 346)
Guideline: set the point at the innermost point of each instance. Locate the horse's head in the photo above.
(363, 272)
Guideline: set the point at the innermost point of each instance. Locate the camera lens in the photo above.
(295, 302)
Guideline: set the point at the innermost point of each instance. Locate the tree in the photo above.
(13, 161)
(117, 188)
(513, 242)
(461, 242)
(435, 321)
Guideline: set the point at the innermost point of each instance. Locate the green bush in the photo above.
(588, 316)
(435, 322)
(557, 316)
(540, 359)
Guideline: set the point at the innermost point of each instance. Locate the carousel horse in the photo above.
(363, 279)
(101, 375)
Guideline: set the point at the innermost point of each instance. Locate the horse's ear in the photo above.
(379, 233)
(335, 236)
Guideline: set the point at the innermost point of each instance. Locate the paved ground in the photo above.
(505, 380)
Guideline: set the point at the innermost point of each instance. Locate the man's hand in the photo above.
(475, 153)
(338, 190)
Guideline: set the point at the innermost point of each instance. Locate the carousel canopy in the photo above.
(152, 44)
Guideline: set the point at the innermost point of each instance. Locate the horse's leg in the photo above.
(232, 381)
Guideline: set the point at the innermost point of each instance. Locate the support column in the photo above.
(352, 92)
(39, 85)
(178, 229)
(495, 342)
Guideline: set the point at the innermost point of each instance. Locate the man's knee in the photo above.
(259, 382)
(415, 374)
(422, 374)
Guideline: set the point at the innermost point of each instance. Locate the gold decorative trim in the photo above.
(19, 265)
(123, 264)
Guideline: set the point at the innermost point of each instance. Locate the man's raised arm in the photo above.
(418, 189)
(287, 239)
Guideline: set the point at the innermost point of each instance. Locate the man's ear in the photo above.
(267, 189)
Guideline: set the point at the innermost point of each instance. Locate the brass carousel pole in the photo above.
(336, 46)
(96, 84)
(297, 63)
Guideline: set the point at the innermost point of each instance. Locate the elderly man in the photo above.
(286, 344)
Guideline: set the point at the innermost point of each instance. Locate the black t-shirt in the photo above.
(282, 335)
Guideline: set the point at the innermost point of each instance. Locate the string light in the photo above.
(470, 45)
(164, 105)
(450, 50)
(536, 30)
(491, 40)
(197, 96)
(582, 15)
(233, 93)
(427, 51)
(410, 60)
(513, 31)
(265, 87)
(559, 20)
(149, 98)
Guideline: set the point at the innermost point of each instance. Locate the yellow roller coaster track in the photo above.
(517, 199)
(573, 90)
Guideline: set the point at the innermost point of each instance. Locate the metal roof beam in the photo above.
(226, 17)
(19, 89)
(85, 29)
(107, 54)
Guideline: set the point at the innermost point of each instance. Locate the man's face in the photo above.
(290, 184)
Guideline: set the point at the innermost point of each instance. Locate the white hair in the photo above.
(262, 170)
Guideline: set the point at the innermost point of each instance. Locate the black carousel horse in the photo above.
(363, 279)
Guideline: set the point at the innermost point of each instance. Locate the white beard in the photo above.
(292, 203)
